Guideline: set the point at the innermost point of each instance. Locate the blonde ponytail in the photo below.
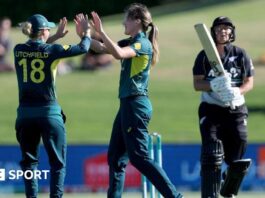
(153, 37)
(26, 28)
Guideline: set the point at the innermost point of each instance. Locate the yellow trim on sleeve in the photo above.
(139, 63)
(54, 68)
(66, 47)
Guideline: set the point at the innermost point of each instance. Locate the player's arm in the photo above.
(247, 85)
(61, 31)
(117, 51)
(99, 47)
(83, 31)
(199, 73)
(248, 81)
(200, 84)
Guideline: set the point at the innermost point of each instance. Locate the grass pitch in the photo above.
(90, 99)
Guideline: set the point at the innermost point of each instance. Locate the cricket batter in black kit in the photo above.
(39, 116)
(223, 129)
(129, 138)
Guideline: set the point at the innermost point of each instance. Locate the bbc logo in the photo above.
(2, 175)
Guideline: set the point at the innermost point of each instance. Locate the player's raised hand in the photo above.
(61, 30)
(96, 22)
(82, 25)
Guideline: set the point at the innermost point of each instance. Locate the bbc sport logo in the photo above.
(27, 174)
(2, 174)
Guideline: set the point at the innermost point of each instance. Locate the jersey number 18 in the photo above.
(36, 74)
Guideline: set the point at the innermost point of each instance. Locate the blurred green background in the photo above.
(90, 99)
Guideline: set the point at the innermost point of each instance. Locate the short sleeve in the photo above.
(124, 43)
(198, 67)
(248, 65)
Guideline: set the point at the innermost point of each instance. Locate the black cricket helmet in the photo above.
(222, 20)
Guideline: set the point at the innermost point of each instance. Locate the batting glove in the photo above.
(220, 83)
(230, 94)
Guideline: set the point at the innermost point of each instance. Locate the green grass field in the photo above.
(90, 99)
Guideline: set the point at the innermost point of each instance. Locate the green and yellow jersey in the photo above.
(36, 66)
(134, 74)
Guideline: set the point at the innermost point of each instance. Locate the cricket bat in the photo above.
(210, 50)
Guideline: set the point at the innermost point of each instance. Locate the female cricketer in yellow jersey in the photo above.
(38, 114)
(129, 138)
(223, 130)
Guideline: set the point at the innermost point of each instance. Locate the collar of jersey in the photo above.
(139, 35)
(35, 41)
(228, 47)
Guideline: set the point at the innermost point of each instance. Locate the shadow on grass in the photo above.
(172, 6)
(256, 109)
